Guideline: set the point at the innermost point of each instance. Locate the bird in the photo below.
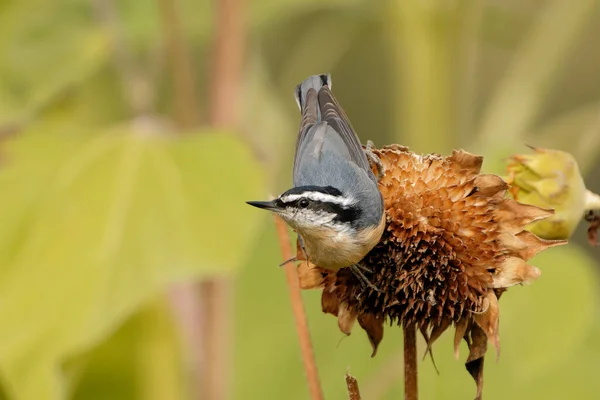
(335, 205)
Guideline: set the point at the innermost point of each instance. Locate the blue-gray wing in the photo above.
(325, 128)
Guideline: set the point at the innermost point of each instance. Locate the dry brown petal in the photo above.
(534, 244)
(459, 334)
(470, 163)
(310, 276)
(489, 320)
(346, 318)
(435, 334)
(514, 216)
(477, 349)
(330, 303)
(374, 328)
(490, 185)
(513, 271)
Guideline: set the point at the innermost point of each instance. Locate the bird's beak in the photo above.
(267, 205)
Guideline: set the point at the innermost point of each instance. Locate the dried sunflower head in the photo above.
(453, 243)
(551, 179)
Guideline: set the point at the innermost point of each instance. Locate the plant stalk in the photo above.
(352, 385)
(427, 46)
(186, 105)
(410, 363)
(306, 349)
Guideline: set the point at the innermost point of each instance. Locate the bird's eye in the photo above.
(303, 203)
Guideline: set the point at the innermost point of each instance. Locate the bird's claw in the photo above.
(374, 160)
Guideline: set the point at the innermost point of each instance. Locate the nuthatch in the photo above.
(335, 205)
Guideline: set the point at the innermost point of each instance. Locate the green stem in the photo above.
(427, 46)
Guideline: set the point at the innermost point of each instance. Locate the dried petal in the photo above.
(310, 276)
(534, 244)
(459, 334)
(330, 303)
(489, 320)
(514, 216)
(470, 163)
(346, 318)
(512, 271)
(436, 332)
(489, 185)
(374, 328)
(474, 364)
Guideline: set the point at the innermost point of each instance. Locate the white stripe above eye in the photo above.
(318, 196)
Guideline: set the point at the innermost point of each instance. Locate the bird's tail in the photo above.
(315, 82)
(307, 97)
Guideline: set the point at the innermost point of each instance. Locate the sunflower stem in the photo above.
(410, 363)
(306, 348)
(592, 201)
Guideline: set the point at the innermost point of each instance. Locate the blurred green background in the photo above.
(132, 133)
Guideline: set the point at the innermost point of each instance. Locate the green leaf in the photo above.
(34, 71)
(143, 359)
(95, 226)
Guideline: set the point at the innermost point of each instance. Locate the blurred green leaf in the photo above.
(94, 226)
(558, 133)
(521, 94)
(34, 71)
(141, 360)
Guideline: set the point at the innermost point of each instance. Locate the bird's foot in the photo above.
(374, 160)
(357, 270)
(289, 260)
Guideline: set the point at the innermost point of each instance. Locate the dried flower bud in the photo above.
(551, 179)
(453, 244)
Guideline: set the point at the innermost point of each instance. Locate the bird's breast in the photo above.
(335, 250)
